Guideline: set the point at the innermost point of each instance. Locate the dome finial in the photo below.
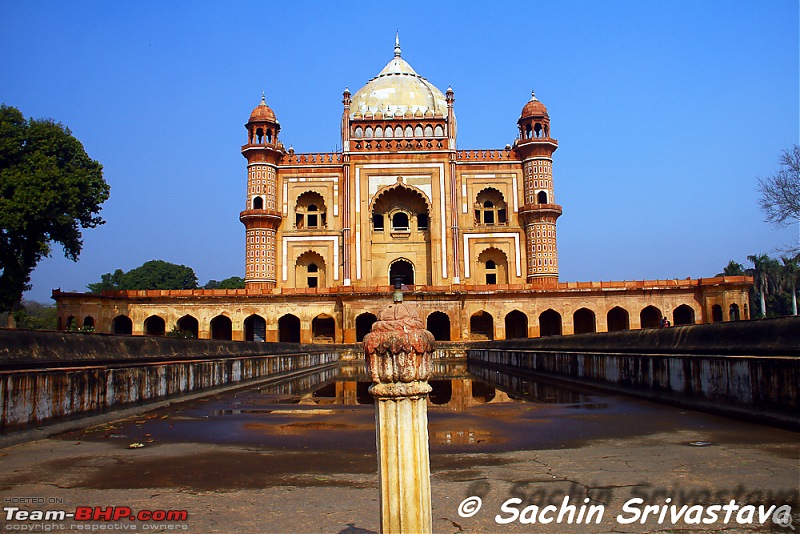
(263, 98)
(397, 44)
(533, 96)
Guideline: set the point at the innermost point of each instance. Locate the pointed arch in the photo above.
(683, 314)
(549, 323)
(221, 327)
(402, 268)
(289, 329)
(155, 326)
(189, 324)
(364, 324)
(255, 328)
(438, 324)
(650, 317)
(618, 319)
(584, 321)
(310, 270)
(490, 207)
(481, 325)
(492, 266)
(323, 329)
(122, 325)
(516, 325)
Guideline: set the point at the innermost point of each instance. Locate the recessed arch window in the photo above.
(310, 211)
(490, 208)
(310, 270)
(258, 203)
(541, 197)
(400, 222)
(494, 264)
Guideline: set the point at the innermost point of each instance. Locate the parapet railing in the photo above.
(687, 283)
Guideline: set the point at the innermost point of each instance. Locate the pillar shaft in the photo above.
(403, 464)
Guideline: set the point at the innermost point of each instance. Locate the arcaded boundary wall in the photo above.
(50, 375)
(746, 368)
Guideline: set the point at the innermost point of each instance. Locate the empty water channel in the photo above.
(471, 409)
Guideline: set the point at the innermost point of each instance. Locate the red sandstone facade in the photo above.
(470, 233)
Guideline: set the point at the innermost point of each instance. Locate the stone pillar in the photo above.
(398, 352)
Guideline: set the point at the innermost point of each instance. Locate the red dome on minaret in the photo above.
(533, 108)
(263, 112)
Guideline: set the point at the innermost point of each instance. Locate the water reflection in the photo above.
(455, 387)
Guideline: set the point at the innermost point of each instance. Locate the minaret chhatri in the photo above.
(261, 216)
(539, 212)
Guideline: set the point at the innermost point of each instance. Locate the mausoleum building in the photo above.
(470, 234)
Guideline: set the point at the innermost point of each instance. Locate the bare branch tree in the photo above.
(780, 193)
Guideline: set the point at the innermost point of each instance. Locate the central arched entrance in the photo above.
(402, 269)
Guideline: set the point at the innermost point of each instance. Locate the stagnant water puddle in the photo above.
(473, 409)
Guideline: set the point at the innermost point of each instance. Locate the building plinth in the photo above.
(398, 352)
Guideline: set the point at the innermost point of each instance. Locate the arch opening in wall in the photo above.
(72, 324)
(482, 392)
(310, 212)
(549, 323)
(733, 312)
(490, 207)
(255, 329)
(492, 267)
(364, 324)
(481, 326)
(155, 326)
(405, 208)
(516, 325)
(441, 392)
(438, 324)
(189, 326)
(88, 322)
(289, 329)
(122, 325)
(683, 314)
(618, 319)
(400, 222)
(221, 327)
(716, 313)
(323, 329)
(258, 203)
(584, 321)
(650, 317)
(541, 197)
(402, 269)
(310, 270)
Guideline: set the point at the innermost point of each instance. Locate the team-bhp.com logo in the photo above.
(94, 513)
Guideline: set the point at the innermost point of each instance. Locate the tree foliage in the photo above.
(775, 284)
(234, 282)
(780, 193)
(36, 316)
(154, 274)
(49, 190)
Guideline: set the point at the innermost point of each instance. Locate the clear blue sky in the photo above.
(665, 113)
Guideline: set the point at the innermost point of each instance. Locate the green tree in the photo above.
(780, 193)
(733, 269)
(36, 316)
(790, 278)
(234, 282)
(763, 279)
(49, 190)
(154, 274)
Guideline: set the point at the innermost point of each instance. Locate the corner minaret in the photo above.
(261, 216)
(535, 148)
